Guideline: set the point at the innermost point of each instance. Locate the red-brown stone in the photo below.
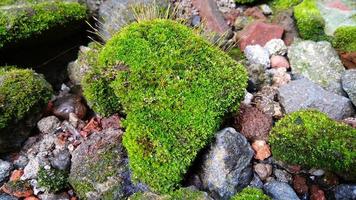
(256, 13)
(338, 5)
(317, 193)
(348, 59)
(262, 149)
(285, 20)
(259, 33)
(300, 184)
(213, 18)
(279, 61)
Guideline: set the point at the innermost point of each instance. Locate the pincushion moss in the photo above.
(181, 194)
(284, 4)
(53, 180)
(245, 1)
(251, 193)
(311, 139)
(20, 22)
(310, 23)
(345, 38)
(175, 88)
(20, 91)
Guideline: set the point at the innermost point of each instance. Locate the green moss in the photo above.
(53, 180)
(311, 139)
(345, 38)
(251, 193)
(20, 91)
(181, 194)
(175, 88)
(284, 4)
(310, 23)
(81, 187)
(25, 21)
(236, 54)
(245, 1)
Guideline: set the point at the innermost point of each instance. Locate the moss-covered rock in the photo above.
(23, 94)
(175, 88)
(311, 139)
(251, 193)
(345, 39)
(21, 22)
(181, 194)
(53, 180)
(310, 23)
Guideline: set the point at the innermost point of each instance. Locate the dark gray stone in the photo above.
(345, 192)
(5, 169)
(61, 160)
(280, 191)
(226, 166)
(304, 94)
(196, 20)
(348, 80)
(256, 182)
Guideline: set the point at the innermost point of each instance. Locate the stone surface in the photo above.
(61, 159)
(253, 123)
(256, 13)
(263, 170)
(316, 193)
(69, 103)
(257, 76)
(266, 9)
(303, 94)
(265, 100)
(20, 189)
(211, 15)
(262, 149)
(279, 61)
(345, 192)
(300, 184)
(276, 47)
(5, 169)
(279, 76)
(350, 121)
(319, 62)
(51, 196)
(256, 182)
(279, 191)
(7, 197)
(348, 81)
(285, 20)
(348, 59)
(48, 124)
(100, 167)
(282, 176)
(258, 33)
(226, 167)
(256, 54)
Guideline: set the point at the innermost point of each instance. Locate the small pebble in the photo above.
(263, 170)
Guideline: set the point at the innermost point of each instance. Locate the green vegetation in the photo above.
(310, 23)
(245, 1)
(345, 38)
(21, 90)
(310, 138)
(251, 193)
(25, 21)
(175, 88)
(284, 4)
(53, 180)
(181, 194)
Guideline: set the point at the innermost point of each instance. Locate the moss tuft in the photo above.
(53, 180)
(175, 88)
(245, 1)
(22, 22)
(20, 91)
(181, 194)
(345, 38)
(311, 139)
(251, 193)
(310, 23)
(285, 4)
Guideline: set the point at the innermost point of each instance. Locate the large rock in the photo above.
(100, 167)
(23, 95)
(115, 14)
(259, 33)
(5, 169)
(345, 192)
(256, 54)
(319, 62)
(303, 94)
(349, 84)
(226, 167)
(280, 191)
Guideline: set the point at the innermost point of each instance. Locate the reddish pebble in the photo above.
(262, 150)
(317, 193)
(31, 198)
(16, 175)
(256, 13)
(300, 184)
(294, 169)
(279, 61)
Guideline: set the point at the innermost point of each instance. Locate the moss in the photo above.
(175, 88)
(251, 193)
(181, 194)
(345, 38)
(284, 4)
(311, 139)
(310, 23)
(245, 1)
(20, 91)
(81, 187)
(236, 54)
(53, 180)
(25, 21)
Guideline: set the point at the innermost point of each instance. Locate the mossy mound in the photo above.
(251, 193)
(23, 94)
(53, 180)
(181, 194)
(175, 88)
(310, 23)
(311, 139)
(345, 38)
(245, 1)
(21, 22)
(280, 5)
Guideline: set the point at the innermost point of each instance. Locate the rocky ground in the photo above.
(293, 136)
